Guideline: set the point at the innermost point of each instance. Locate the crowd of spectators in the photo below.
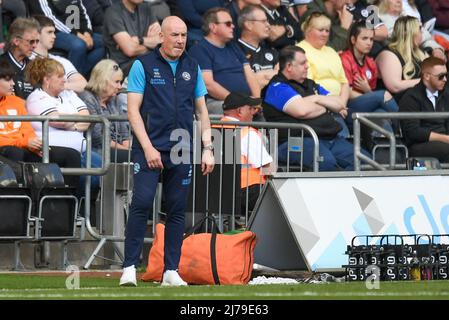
(354, 60)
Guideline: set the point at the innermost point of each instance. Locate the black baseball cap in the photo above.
(236, 100)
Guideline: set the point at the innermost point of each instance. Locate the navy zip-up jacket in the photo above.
(168, 101)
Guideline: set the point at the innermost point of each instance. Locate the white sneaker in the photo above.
(128, 277)
(172, 278)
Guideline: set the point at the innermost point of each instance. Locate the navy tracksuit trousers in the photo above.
(176, 184)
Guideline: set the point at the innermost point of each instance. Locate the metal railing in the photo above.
(45, 122)
(362, 117)
(97, 231)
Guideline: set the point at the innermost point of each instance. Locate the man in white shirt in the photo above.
(74, 80)
(254, 156)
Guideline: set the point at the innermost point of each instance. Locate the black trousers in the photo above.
(435, 149)
(64, 157)
(253, 194)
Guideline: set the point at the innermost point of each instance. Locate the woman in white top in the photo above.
(50, 98)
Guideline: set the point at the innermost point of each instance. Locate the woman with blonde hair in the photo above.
(326, 69)
(101, 98)
(399, 63)
(391, 10)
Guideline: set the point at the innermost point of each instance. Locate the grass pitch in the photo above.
(36, 287)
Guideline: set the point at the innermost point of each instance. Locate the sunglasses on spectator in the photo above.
(30, 42)
(115, 67)
(227, 23)
(440, 76)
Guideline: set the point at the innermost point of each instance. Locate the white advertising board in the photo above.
(324, 214)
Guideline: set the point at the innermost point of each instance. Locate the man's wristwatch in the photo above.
(209, 147)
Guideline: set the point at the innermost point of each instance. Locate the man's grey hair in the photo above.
(247, 14)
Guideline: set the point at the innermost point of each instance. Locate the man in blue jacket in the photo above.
(165, 90)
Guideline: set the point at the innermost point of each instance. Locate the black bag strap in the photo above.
(213, 242)
(197, 226)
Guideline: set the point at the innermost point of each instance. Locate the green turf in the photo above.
(53, 287)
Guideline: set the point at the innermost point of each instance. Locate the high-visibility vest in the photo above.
(248, 175)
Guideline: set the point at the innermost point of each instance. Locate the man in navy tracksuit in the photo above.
(165, 89)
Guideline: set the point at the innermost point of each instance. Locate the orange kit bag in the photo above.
(206, 258)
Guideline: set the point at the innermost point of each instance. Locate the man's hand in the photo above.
(207, 162)
(87, 38)
(344, 113)
(35, 143)
(345, 17)
(154, 30)
(153, 158)
(277, 31)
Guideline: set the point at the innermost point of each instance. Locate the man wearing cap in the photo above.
(254, 156)
(291, 97)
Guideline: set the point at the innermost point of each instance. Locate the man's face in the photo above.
(224, 27)
(27, 43)
(246, 113)
(174, 39)
(47, 37)
(437, 77)
(299, 67)
(259, 25)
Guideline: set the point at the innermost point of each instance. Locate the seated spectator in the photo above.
(254, 155)
(192, 12)
(284, 28)
(361, 10)
(18, 140)
(160, 8)
(50, 99)
(130, 30)
(325, 67)
(101, 98)
(423, 11)
(23, 40)
(95, 10)
(361, 73)
(292, 97)
(341, 20)
(12, 9)
(399, 63)
(428, 137)
(391, 10)
(84, 47)
(440, 9)
(224, 66)
(74, 80)
(254, 28)
(235, 7)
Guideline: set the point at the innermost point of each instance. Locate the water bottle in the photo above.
(415, 269)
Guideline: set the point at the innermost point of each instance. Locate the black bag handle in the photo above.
(213, 242)
(197, 226)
